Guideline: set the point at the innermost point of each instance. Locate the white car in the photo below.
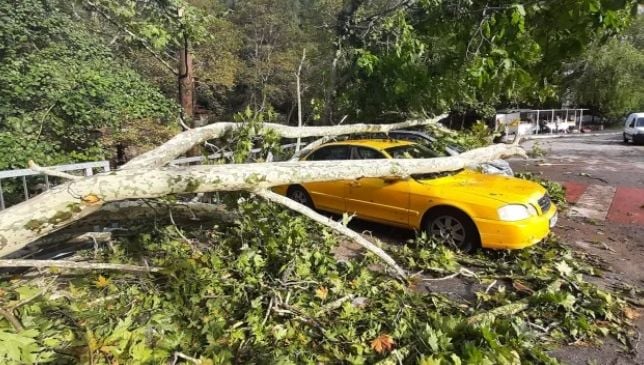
(634, 128)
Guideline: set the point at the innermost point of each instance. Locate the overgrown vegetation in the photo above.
(63, 88)
(269, 290)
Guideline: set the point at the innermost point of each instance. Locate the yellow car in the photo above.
(464, 208)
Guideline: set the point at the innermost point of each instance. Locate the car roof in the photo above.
(379, 144)
(637, 115)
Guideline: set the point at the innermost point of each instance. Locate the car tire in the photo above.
(625, 139)
(454, 228)
(298, 194)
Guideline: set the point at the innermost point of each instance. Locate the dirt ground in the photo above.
(614, 233)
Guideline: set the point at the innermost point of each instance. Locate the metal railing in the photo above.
(86, 168)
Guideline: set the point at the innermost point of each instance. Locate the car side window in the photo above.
(329, 153)
(632, 123)
(363, 153)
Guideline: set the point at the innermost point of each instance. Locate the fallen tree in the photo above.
(145, 177)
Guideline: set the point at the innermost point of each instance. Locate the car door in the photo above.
(329, 196)
(629, 126)
(378, 199)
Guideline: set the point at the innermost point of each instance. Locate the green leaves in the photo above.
(61, 86)
(273, 288)
(18, 348)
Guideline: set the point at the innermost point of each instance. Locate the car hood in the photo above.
(504, 189)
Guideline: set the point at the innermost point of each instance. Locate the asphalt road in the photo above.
(604, 181)
(605, 159)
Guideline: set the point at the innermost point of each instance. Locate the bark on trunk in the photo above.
(69, 202)
(186, 83)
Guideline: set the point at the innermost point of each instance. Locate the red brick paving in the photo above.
(574, 190)
(628, 206)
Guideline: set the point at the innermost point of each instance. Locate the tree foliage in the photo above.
(62, 87)
(608, 78)
(471, 55)
(268, 289)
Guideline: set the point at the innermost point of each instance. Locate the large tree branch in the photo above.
(337, 226)
(76, 265)
(71, 201)
(186, 140)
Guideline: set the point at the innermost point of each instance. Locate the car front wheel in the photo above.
(298, 194)
(625, 139)
(453, 228)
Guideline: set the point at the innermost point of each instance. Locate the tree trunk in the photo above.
(69, 202)
(186, 84)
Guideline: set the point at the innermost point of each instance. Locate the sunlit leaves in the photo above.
(102, 282)
(382, 343)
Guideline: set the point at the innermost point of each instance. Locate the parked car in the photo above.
(465, 208)
(496, 167)
(634, 128)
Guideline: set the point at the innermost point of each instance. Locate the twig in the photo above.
(489, 287)
(512, 308)
(178, 230)
(181, 355)
(268, 311)
(12, 319)
(335, 304)
(444, 277)
(183, 123)
(76, 265)
(34, 166)
(462, 271)
(42, 121)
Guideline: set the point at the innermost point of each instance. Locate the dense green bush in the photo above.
(62, 89)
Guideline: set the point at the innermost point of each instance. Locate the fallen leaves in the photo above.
(382, 343)
(322, 292)
(91, 199)
(631, 313)
(522, 287)
(563, 268)
(102, 282)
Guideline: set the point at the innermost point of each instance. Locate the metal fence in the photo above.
(20, 176)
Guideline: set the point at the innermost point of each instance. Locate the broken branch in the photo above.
(34, 166)
(12, 263)
(336, 226)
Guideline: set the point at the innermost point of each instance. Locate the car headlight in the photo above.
(516, 212)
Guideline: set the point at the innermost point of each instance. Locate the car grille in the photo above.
(544, 203)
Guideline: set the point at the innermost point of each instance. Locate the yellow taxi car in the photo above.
(464, 208)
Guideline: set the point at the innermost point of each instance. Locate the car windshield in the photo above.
(639, 122)
(411, 151)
